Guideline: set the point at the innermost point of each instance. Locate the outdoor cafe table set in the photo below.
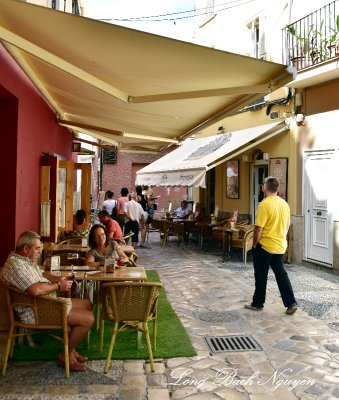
(87, 279)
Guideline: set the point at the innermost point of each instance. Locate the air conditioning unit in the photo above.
(274, 115)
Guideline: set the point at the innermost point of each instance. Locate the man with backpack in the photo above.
(110, 204)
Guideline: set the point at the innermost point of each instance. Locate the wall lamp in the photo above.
(298, 119)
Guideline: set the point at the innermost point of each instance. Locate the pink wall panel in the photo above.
(28, 129)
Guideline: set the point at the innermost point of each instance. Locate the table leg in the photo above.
(98, 305)
(227, 245)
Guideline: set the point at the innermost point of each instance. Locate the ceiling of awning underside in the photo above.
(129, 87)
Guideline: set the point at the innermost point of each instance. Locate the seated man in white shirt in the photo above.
(183, 211)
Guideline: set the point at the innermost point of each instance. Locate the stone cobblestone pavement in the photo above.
(299, 357)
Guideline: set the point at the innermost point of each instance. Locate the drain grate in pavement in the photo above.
(221, 344)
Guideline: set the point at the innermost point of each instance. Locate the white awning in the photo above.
(127, 87)
(188, 164)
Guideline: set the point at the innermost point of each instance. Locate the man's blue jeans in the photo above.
(262, 261)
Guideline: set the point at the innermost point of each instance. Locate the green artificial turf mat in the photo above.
(172, 339)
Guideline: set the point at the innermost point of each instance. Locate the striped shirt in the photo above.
(21, 272)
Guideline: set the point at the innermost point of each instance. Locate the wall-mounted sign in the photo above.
(232, 179)
(278, 169)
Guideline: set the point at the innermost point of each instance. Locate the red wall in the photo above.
(28, 128)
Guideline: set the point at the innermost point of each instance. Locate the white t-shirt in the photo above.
(134, 210)
(109, 204)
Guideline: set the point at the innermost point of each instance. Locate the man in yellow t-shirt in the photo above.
(269, 246)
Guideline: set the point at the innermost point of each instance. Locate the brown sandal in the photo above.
(81, 359)
(75, 367)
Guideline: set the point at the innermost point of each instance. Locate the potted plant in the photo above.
(333, 43)
(313, 37)
(317, 52)
(299, 48)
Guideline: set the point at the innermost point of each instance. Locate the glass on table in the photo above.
(72, 256)
(109, 264)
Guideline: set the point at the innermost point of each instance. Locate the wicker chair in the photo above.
(124, 239)
(201, 229)
(178, 229)
(157, 225)
(241, 224)
(50, 313)
(133, 305)
(243, 240)
(165, 232)
(73, 240)
(219, 236)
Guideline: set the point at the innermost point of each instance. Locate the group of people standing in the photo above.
(131, 212)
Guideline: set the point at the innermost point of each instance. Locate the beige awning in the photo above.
(188, 164)
(130, 87)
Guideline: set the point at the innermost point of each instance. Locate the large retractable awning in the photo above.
(188, 164)
(129, 87)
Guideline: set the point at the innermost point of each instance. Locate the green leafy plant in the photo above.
(335, 32)
(302, 43)
(333, 43)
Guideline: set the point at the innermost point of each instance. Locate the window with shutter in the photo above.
(258, 42)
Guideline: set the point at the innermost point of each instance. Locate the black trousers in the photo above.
(262, 261)
(132, 226)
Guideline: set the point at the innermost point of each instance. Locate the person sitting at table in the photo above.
(80, 223)
(102, 247)
(198, 213)
(80, 228)
(22, 272)
(183, 211)
(112, 227)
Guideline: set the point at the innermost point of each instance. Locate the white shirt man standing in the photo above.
(135, 215)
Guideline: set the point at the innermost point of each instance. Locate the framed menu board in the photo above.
(278, 169)
(232, 179)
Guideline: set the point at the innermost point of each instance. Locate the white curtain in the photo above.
(45, 212)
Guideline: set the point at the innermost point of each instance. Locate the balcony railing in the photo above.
(313, 39)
